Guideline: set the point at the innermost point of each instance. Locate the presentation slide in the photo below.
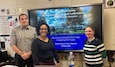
(67, 24)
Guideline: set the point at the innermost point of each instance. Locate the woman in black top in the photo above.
(43, 50)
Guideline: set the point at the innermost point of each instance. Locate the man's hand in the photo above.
(25, 55)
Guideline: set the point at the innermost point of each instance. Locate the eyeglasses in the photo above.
(43, 29)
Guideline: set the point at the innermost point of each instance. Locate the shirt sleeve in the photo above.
(104, 54)
(34, 49)
(13, 40)
(101, 49)
(55, 54)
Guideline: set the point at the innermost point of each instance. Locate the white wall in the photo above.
(109, 28)
(35, 4)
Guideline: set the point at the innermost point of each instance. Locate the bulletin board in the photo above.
(7, 23)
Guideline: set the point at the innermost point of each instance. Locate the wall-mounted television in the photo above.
(67, 24)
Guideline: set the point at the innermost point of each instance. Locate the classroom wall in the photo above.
(21, 6)
(17, 5)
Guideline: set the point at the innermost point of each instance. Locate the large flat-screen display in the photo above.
(67, 24)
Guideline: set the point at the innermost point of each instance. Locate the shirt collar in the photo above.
(90, 41)
(25, 28)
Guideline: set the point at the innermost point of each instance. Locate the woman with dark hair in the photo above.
(94, 49)
(43, 50)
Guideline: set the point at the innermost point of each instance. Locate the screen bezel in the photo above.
(29, 10)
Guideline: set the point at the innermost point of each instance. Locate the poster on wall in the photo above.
(109, 3)
(7, 23)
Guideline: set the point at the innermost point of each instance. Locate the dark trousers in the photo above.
(20, 62)
(50, 62)
(95, 65)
